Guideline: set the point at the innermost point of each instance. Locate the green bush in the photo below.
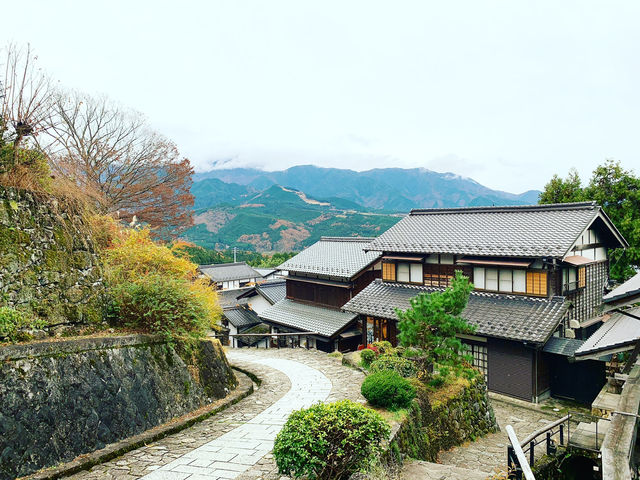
(329, 441)
(384, 347)
(159, 304)
(13, 324)
(367, 356)
(403, 366)
(388, 389)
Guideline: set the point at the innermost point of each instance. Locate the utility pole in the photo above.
(234, 254)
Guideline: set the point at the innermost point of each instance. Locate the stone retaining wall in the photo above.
(430, 428)
(62, 399)
(48, 262)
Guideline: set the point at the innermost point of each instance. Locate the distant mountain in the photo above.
(212, 191)
(387, 189)
(276, 219)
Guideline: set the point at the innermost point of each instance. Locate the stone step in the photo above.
(584, 435)
(420, 470)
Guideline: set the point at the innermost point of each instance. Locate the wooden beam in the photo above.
(522, 459)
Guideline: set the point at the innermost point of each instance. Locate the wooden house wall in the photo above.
(365, 279)
(586, 301)
(317, 294)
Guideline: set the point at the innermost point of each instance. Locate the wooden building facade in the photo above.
(539, 272)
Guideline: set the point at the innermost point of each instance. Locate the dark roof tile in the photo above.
(511, 317)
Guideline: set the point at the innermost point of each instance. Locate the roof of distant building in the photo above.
(514, 231)
(265, 272)
(629, 291)
(342, 257)
(496, 315)
(307, 318)
(226, 272)
(231, 298)
(620, 332)
(272, 290)
(241, 317)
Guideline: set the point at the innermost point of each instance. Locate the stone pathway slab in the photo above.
(233, 453)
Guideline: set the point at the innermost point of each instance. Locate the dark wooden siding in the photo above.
(510, 368)
(365, 279)
(577, 381)
(440, 275)
(324, 295)
(543, 381)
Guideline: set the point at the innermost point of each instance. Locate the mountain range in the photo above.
(388, 189)
(291, 209)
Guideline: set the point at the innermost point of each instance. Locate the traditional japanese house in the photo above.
(320, 280)
(263, 295)
(241, 319)
(228, 276)
(539, 273)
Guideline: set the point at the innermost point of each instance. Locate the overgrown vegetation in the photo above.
(387, 388)
(618, 192)
(402, 366)
(329, 441)
(205, 256)
(155, 289)
(15, 325)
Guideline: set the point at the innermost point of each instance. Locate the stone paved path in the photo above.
(153, 458)
(234, 452)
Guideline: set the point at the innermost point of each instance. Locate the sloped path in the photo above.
(236, 443)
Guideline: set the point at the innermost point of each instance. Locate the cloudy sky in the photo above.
(505, 92)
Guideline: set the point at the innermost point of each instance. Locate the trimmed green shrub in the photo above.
(403, 366)
(13, 324)
(367, 356)
(388, 389)
(329, 441)
(159, 304)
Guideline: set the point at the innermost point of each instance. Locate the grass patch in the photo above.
(447, 391)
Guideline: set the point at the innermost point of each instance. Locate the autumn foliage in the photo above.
(152, 289)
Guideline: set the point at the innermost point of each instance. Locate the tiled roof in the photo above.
(618, 332)
(229, 298)
(494, 315)
(307, 318)
(519, 231)
(562, 346)
(225, 272)
(630, 288)
(273, 291)
(241, 317)
(333, 256)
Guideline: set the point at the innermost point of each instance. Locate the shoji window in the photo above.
(491, 279)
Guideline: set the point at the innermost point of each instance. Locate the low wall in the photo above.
(62, 399)
(432, 426)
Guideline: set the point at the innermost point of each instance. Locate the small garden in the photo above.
(426, 386)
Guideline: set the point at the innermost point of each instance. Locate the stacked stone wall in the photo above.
(48, 263)
(61, 399)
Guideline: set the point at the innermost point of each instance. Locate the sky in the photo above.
(505, 92)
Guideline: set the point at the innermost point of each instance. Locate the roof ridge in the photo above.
(224, 264)
(508, 208)
(346, 239)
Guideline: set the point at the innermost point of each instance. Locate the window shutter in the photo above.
(537, 283)
(582, 277)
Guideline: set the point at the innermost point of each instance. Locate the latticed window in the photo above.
(478, 353)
